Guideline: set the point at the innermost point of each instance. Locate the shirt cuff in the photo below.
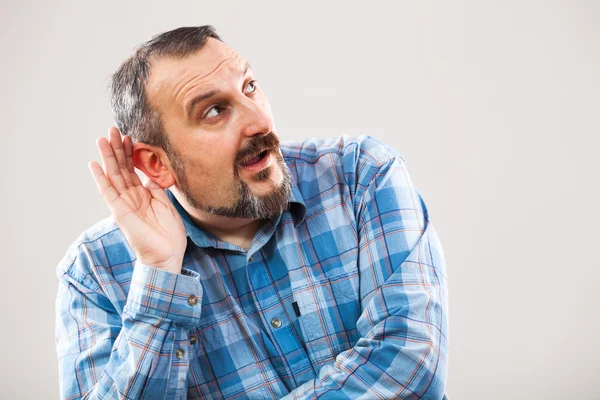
(177, 297)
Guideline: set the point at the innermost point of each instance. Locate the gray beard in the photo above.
(248, 205)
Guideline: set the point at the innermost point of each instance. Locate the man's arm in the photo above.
(403, 349)
(138, 353)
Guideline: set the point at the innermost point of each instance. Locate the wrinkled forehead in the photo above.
(172, 73)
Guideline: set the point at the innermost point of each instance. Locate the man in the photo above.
(245, 268)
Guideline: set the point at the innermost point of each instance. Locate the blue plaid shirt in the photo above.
(343, 296)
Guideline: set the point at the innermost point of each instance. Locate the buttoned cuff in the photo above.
(177, 297)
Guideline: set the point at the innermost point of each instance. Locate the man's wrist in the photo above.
(172, 264)
(177, 297)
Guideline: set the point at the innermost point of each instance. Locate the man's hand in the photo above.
(145, 214)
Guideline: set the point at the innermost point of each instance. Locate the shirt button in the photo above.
(192, 300)
(179, 353)
(193, 340)
(251, 258)
(276, 322)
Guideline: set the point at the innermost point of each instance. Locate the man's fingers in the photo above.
(116, 142)
(111, 167)
(128, 148)
(104, 187)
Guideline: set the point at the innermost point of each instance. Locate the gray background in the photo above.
(494, 105)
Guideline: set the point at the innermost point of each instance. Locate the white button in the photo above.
(276, 322)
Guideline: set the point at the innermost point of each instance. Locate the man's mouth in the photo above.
(254, 159)
(258, 162)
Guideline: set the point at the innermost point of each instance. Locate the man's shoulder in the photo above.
(101, 245)
(346, 149)
(349, 164)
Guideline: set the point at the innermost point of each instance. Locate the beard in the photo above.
(247, 205)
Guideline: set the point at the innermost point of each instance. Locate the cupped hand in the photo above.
(146, 216)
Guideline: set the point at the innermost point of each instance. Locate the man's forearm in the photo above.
(402, 352)
(142, 353)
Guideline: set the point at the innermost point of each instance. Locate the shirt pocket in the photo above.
(329, 310)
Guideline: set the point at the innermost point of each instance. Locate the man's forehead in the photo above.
(213, 56)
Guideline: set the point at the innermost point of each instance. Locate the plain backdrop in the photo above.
(494, 105)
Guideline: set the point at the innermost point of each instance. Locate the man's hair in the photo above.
(131, 109)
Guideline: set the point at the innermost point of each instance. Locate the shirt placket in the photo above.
(277, 320)
(278, 323)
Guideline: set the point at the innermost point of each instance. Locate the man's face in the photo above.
(225, 156)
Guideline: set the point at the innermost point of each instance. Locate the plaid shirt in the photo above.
(343, 296)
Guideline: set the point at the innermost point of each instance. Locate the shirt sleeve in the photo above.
(139, 352)
(403, 349)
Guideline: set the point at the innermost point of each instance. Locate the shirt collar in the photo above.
(201, 238)
(296, 205)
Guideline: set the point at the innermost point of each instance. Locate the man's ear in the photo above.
(154, 163)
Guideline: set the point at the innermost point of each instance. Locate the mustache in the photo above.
(257, 145)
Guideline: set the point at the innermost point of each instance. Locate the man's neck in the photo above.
(237, 231)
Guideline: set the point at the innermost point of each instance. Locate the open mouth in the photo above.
(255, 160)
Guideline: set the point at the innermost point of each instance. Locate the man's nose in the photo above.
(257, 118)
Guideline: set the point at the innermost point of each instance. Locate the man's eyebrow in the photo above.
(200, 98)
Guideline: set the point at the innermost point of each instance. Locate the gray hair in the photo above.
(131, 109)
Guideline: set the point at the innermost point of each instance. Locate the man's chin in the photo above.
(257, 195)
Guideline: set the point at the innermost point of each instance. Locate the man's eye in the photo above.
(210, 112)
(250, 87)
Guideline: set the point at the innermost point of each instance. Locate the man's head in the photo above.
(199, 121)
